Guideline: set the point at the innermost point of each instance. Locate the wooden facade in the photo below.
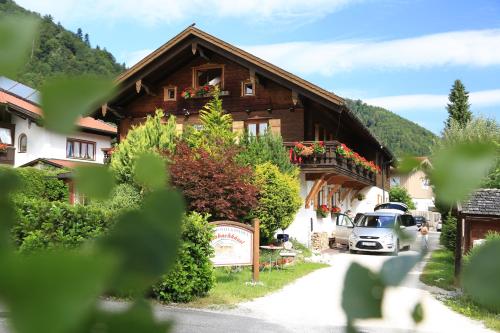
(289, 105)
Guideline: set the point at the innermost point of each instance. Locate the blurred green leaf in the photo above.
(418, 313)
(138, 318)
(362, 294)
(52, 292)
(458, 170)
(66, 99)
(480, 277)
(95, 181)
(394, 270)
(150, 171)
(407, 164)
(8, 182)
(17, 35)
(147, 240)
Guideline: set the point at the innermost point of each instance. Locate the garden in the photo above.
(221, 177)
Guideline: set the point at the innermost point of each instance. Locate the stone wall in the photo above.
(319, 241)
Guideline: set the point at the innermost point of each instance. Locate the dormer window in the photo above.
(212, 75)
(247, 88)
(170, 93)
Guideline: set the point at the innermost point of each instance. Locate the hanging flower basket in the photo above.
(3, 147)
(335, 210)
(322, 211)
(360, 197)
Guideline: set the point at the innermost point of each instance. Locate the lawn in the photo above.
(462, 304)
(439, 271)
(231, 287)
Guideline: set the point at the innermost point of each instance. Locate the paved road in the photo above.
(312, 304)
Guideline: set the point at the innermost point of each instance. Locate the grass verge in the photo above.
(439, 270)
(462, 304)
(231, 288)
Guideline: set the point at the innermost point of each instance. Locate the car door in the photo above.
(410, 229)
(343, 229)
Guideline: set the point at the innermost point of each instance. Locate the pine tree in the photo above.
(87, 39)
(459, 107)
(79, 33)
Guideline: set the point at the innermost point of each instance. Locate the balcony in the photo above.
(330, 162)
(7, 155)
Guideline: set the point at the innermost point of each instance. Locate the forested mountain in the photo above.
(399, 134)
(59, 51)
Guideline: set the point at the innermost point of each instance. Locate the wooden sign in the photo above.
(236, 244)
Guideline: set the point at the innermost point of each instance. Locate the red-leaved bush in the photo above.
(213, 184)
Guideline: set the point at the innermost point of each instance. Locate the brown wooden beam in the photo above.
(355, 194)
(344, 193)
(318, 183)
(333, 190)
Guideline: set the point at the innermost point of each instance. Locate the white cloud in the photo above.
(484, 98)
(157, 11)
(478, 48)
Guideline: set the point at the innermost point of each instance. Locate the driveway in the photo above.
(314, 301)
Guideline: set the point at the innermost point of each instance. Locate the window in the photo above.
(212, 75)
(257, 127)
(80, 149)
(408, 220)
(425, 183)
(247, 88)
(5, 135)
(395, 181)
(381, 221)
(23, 143)
(170, 93)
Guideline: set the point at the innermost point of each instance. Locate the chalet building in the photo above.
(417, 184)
(260, 97)
(25, 142)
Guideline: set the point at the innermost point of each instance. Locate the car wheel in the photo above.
(353, 251)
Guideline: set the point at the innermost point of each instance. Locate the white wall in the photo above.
(423, 204)
(300, 228)
(45, 144)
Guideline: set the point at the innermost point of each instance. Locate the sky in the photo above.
(399, 54)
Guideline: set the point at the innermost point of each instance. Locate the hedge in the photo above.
(45, 225)
(193, 274)
(40, 183)
(448, 233)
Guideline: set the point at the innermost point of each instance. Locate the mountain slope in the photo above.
(399, 134)
(58, 51)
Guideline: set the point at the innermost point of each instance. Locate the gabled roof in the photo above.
(57, 163)
(24, 100)
(303, 86)
(483, 202)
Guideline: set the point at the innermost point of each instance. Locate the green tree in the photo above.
(477, 130)
(279, 199)
(154, 135)
(79, 33)
(459, 107)
(216, 134)
(400, 194)
(265, 148)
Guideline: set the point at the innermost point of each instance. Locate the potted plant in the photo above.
(360, 197)
(335, 210)
(3, 147)
(322, 211)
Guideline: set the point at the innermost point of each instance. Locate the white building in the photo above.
(30, 144)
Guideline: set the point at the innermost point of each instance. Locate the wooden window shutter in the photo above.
(275, 125)
(178, 128)
(238, 127)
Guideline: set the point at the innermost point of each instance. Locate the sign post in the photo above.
(256, 252)
(237, 244)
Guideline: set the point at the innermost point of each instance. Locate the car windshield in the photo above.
(381, 221)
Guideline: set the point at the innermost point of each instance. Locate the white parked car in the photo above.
(378, 232)
(343, 229)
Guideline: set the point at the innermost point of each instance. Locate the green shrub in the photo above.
(46, 225)
(265, 148)
(193, 273)
(448, 233)
(279, 199)
(40, 183)
(400, 194)
(123, 197)
(154, 135)
(490, 236)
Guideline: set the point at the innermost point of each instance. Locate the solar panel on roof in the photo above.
(19, 89)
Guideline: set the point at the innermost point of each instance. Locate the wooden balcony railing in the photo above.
(329, 160)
